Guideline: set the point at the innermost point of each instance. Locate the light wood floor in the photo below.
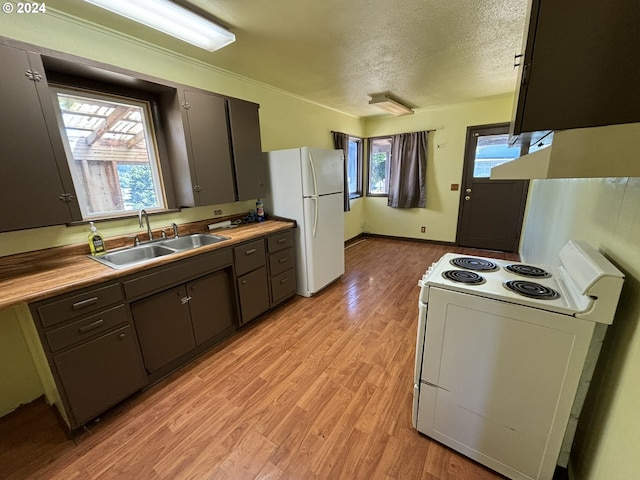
(319, 389)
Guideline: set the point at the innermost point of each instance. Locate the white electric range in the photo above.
(505, 353)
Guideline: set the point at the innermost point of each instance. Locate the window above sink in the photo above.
(111, 150)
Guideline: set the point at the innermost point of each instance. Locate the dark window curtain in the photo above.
(407, 170)
(341, 142)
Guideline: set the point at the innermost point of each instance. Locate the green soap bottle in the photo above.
(96, 243)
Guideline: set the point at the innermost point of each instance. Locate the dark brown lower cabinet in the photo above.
(173, 322)
(164, 327)
(100, 373)
(210, 305)
(282, 266)
(105, 342)
(253, 293)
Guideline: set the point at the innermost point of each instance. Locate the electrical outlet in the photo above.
(217, 212)
(423, 229)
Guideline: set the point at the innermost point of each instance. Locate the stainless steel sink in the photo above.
(192, 241)
(133, 255)
(130, 256)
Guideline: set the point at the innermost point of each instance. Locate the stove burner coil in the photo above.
(470, 263)
(528, 271)
(531, 289)
(463, 276)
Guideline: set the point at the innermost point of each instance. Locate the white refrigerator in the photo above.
(306, 184)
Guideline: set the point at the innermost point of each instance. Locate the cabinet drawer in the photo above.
(281, 262)
(249, 256)
(283, 286)
(280, 241)
(61, 310)
(86, 328)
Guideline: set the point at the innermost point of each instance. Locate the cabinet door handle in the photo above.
(250, 252)
(282, 240)
(284, 280)
(516, 60)
(283, 260)
(33, 75)
(122, 336)
(185, 300)
(85, 303)
(243, 282)
(91, 326)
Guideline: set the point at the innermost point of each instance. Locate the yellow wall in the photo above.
(19, 380)
(444, 167)
(606, 213)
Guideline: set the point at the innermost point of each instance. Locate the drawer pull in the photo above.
(283, 260)
(85, 303)
(281, 241)
(91, 326)
(250, 252)
(284, 280)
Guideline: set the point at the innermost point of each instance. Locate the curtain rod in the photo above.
(402, 133)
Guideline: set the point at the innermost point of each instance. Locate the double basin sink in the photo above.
(142, 253)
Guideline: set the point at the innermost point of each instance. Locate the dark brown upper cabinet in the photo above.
(36, 189)
(244, 124)
(205, 175)
(208, 144)
(220, 158)
(580, 66)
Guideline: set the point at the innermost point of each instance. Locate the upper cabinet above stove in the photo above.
(580, 77)
(580, 66)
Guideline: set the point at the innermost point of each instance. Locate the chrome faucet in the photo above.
(143, 213)
(175, 230)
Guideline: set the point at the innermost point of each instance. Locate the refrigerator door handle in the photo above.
(315, 219)
(315, 179)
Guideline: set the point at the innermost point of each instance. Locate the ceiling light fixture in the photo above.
(390, 105)
(171, 19)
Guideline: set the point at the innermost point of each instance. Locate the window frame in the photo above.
(369, 142)
(152, 132)
(358, 173)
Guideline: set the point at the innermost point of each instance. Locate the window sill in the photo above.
(121, 217)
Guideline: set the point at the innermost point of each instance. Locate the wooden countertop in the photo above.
(32, 276)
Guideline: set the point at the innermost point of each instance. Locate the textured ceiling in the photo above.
(339, 52)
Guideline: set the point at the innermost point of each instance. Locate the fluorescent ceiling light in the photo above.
(171, 19)
(390, 105)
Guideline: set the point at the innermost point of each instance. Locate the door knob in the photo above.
(468, 190)
(467, 197)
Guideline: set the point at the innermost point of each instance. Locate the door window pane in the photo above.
(491, 151)
(111, 153)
